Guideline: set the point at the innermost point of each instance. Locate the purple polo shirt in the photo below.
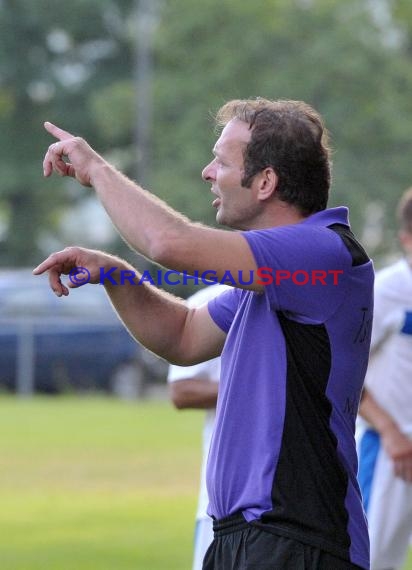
(293, 365)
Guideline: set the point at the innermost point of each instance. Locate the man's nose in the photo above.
(208, 172)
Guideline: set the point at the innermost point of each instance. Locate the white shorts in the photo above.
(388, 505)
(203, 539)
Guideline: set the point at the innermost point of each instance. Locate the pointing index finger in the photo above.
(45, 265)
(57, 131)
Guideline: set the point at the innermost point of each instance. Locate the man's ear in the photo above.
(267, 181)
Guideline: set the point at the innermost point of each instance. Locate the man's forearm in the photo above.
(154, 317)
(199, 393)
(397, 445)
(375, 415)
(146, 222)
(167, 237)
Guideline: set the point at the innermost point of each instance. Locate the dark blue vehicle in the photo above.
(75, 343)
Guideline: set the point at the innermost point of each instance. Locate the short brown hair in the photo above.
(404, 211)
(290, 137)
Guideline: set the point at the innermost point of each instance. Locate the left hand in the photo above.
(71, 261)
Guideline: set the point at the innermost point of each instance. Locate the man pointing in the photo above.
(282, 467)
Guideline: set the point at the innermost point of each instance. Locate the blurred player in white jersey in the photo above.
(385, 448)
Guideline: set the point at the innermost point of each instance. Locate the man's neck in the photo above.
(281, 214)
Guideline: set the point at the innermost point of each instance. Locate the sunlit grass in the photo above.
(97, 484)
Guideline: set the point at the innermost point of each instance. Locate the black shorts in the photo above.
(239, 545)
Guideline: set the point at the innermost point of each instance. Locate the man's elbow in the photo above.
(159, 252)
(179, 403)
(178, 397)
(165, 249)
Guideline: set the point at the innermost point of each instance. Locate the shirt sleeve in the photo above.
(223, 308)
(210, 368)
(303, 269)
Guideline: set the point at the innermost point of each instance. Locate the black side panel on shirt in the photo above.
(310, 484)
(359, 255)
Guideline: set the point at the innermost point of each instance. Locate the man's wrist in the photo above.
(99, 171)
(115, 271)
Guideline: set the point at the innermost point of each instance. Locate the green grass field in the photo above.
(97, 484)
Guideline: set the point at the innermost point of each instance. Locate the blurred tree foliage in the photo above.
(75, 65)
(351, 60)
(53, 62)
